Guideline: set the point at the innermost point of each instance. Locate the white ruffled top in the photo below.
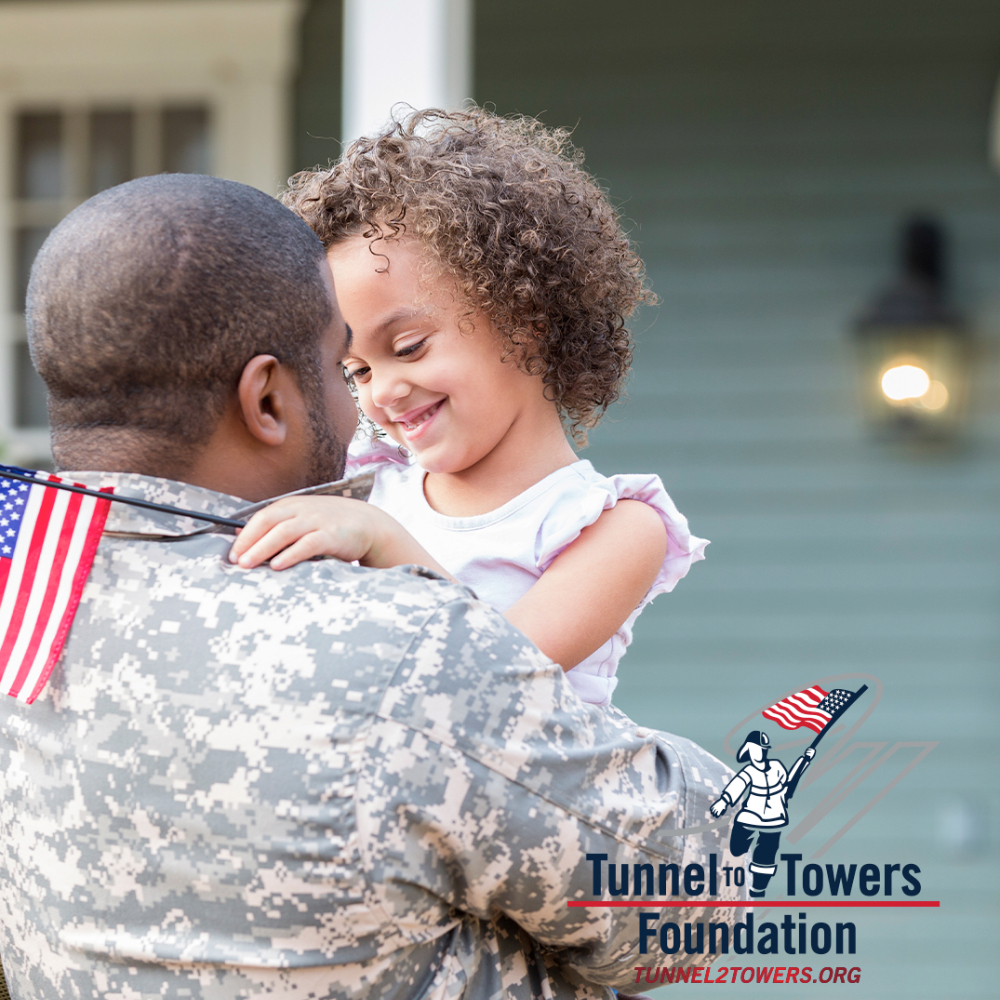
(501, 554)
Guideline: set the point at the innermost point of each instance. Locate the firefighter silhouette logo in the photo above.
(767, 785)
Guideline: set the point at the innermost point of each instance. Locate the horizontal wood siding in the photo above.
(765, 154)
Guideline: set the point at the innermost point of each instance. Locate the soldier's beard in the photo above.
(329, 453)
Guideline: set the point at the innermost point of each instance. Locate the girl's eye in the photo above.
(358, 375)
(405, 352)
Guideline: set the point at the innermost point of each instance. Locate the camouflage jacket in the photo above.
(326, 782)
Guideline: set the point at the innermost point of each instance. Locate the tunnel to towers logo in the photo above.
(709, 909)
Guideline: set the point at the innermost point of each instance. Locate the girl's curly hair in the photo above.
(504, 205)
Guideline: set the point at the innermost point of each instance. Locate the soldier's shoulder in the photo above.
(404, 595)
(702, 768)
(326, 594)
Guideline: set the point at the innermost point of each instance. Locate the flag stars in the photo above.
(6, 550)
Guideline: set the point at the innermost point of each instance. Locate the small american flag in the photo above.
(48, 538)
(813, 707)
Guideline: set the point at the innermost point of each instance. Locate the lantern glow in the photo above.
(904, 382)
(913, 349)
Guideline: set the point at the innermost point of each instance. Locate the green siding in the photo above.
(765, 154)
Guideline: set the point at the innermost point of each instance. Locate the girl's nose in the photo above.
(387, 388)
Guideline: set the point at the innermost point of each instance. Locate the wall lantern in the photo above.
(913, 349)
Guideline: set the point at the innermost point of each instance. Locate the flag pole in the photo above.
(7, 473)
(794, 783)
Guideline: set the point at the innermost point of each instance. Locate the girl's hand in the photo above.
(299, 528)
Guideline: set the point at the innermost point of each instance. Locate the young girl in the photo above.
(486, 281)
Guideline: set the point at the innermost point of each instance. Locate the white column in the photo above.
(418, 52)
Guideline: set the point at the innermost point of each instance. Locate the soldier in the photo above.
(334, 781)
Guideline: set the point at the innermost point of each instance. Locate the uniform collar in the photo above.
(126, 521)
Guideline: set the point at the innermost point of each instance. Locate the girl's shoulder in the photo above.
(581, 498)
(540, 523)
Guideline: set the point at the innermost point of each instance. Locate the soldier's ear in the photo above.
(269, 397)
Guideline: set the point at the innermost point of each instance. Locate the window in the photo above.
(93, 93)
(62, 157)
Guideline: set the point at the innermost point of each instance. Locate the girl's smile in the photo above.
(429, 370)
(415, 422)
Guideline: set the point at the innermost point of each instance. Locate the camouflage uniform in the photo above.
(325, 782)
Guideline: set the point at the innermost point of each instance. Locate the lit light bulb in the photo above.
(905, 382)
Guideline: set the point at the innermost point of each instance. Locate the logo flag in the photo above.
(48, 538)
(813, 708)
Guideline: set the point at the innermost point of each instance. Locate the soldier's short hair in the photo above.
(147, 301)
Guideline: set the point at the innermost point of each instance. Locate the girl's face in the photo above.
(427, 372)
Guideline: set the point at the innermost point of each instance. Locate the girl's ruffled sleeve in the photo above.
(566, 520)
(362, 455)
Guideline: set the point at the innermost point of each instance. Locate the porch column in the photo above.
(418, 52)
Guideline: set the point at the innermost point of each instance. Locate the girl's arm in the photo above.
(592, 587)
(578, 603)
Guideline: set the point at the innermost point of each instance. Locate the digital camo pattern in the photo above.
(325, 782)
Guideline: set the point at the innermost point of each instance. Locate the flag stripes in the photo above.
(801, 709)
(48, 539)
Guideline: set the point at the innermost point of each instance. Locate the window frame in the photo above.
(233, 57)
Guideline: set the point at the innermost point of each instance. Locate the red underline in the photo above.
(756, 902)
